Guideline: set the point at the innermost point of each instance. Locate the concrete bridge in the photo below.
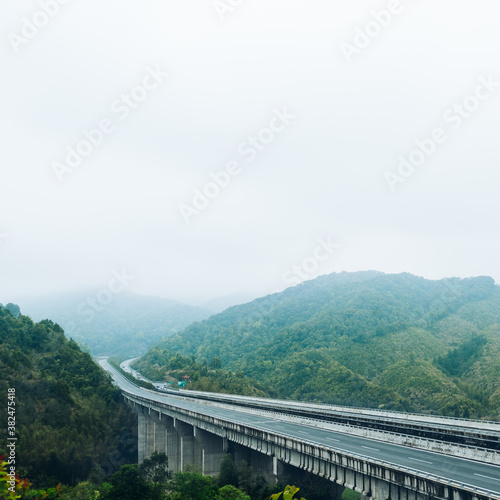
(201, 432)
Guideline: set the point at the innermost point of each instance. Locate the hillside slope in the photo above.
(344, 338)
(69, 418)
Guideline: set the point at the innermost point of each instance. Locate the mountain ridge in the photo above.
(332, 338)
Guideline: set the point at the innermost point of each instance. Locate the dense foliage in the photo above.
(151, 481)
(363, 339)
(69, 418)
(287, 494)
(128, 325)
(457, 361)
(164, 366)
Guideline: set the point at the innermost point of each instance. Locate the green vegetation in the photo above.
(350, 495)
(424, 386)
(129, 324)
(229, 472)
(11, 486)
(69, 418)
(202, 376)
(459, 360)
(287, 494)
(363, 339)
(129, 484)
(73, 433)
(149, 481)
(154, 469)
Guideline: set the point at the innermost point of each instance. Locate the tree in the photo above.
(229, 492)
(96, 475)
(228, 472)
(155, 471)
(129, 484)
(215, 364)
(192, 485)
(85, 491)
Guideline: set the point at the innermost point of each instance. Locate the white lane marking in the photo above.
(418, 460)
(333, 439)
(368, 448)
(487, 477)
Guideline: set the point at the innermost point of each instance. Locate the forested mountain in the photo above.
(120, 324)
(68, 417)
(368, 339)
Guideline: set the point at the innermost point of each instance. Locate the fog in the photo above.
(207, 148)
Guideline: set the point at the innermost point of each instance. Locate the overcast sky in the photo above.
(312, 109)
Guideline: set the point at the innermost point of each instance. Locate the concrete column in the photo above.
(212, 451)
(186, 435)
(157, 439)
(265, 465)
(150, 426)
(160, 436)
(293, 475)
(336, 490)
(142, 437)
(197, 449)
(381, 490)
(172, 445)
(262, 464)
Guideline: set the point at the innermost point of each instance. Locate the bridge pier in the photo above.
(183, 443)
(150, 436)
(142, 426)
(212, 451)
(186, 453)
(160, 444)
(172, 450)
(264, 465)
(323, 485)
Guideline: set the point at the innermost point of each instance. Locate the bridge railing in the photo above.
(459, 422)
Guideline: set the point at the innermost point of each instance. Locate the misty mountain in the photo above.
(121, 324)
(366, 338)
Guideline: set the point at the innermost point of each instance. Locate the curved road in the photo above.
(474, 474)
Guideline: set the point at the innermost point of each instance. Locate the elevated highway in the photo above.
(200, 430)
(473, 433)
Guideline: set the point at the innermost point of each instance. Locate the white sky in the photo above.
(322, 177)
